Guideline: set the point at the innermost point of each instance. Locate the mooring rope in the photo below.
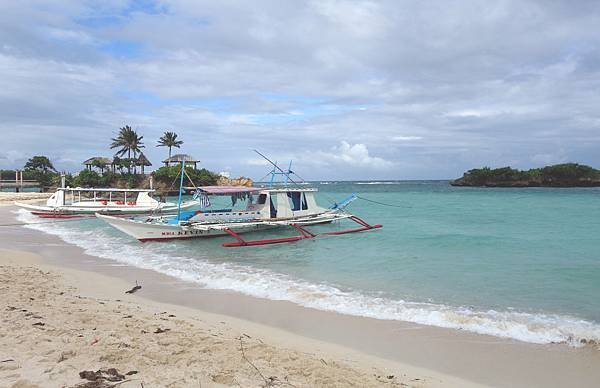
(381, 203)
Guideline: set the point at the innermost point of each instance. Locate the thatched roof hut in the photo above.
(97, 161)
(178, 158)
(143, 161)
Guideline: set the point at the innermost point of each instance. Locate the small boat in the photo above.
(266, 208)
(72, 202)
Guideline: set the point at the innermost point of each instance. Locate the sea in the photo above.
(519, 263)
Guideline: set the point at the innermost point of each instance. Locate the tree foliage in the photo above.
(169, 175)
(40, 169)
(560, 175)
(127, 141)
(169, 139)
(39, 163)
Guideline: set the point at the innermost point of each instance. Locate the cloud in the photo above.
(346, 155)
(406, 138)
(415, 90)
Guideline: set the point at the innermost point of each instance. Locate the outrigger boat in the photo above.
(77, 202)
(266, 208)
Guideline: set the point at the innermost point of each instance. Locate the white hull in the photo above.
(97, 207)
(151, 231)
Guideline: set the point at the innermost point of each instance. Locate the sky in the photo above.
(346, 89)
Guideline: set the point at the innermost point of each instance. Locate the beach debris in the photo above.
(65, 355)
(110, 374)
(39, 324)
(159, 331)
(134, 289)
(7, 360)
(95, 341)
(103, 378)
(268, 381)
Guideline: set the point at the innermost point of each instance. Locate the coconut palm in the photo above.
(128, 141)
(169, 139)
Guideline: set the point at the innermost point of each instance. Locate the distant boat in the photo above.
(70, 202)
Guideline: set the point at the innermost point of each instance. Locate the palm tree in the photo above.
(169, 139)
(129, 141)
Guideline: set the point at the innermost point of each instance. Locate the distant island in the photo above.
(559, 175)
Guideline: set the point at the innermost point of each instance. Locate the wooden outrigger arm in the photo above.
(304, 234)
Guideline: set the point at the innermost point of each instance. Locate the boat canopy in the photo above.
(228, 190)
(105, 190)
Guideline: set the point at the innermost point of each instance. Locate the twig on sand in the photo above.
(134, 289)
(268, 382)
(7, 360)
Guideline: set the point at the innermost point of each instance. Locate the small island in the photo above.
(559, 175)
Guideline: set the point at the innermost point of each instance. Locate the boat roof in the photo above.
(228, 190)
(289, 189)
(105, 190)
(225, 190)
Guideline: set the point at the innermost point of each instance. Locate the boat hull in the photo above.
(42, 210)
(145, 231)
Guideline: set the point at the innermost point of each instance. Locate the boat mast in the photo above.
(180, 189)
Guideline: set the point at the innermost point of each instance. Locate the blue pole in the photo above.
(180, 189)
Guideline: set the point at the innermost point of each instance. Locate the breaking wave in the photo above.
(263, 283)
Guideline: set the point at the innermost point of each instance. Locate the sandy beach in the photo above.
(65, 312)
(53, 328)
(8, 198)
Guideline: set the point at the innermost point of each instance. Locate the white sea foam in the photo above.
(379, 183)
(536, 328)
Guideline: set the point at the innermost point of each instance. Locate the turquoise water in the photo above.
(518, 263)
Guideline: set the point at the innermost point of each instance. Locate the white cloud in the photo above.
(429, 90)
(406, 138)
(348, 155)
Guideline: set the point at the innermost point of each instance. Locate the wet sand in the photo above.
(435, 356)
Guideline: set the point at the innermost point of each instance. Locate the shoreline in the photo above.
(439, 352)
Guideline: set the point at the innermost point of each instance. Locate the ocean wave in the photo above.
(263, 283)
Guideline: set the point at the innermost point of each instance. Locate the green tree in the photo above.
(40, 168)
(87, 178)
(39, 163)
(127, 141)
(99, 164)
(169, 139)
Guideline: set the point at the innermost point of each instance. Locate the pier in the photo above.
(18, 184)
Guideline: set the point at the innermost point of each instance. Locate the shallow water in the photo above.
(518, 263)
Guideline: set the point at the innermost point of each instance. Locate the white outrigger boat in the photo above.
(75, 202)
(266, 208)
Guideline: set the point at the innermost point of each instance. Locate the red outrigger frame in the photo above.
(304, 234)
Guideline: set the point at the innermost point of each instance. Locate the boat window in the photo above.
(304, 204)
(295, 200)
(262, 199)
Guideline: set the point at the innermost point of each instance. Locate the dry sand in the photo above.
(52, 328)
(8, 198)
(355, 350)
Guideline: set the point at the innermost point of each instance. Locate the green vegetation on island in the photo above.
(559, 175)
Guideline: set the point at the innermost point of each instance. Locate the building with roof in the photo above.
(99, 162)
(176, 160)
